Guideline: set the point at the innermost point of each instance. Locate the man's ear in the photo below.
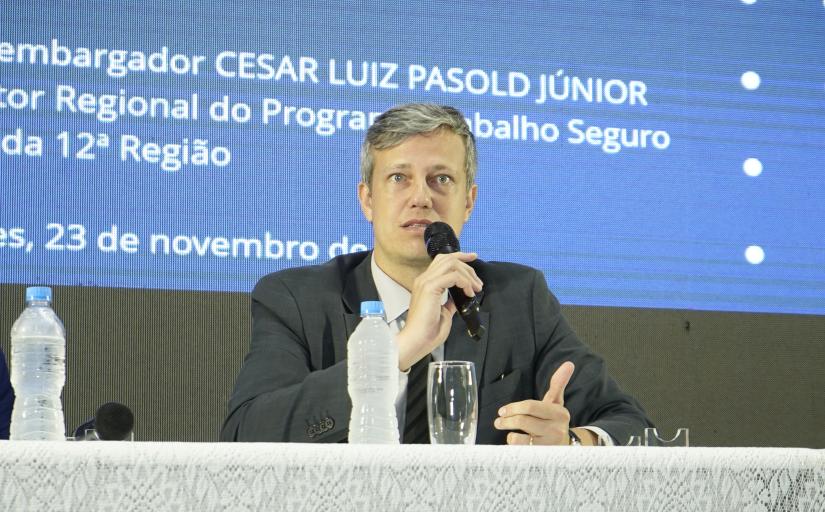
(365, 198)
(471, 201)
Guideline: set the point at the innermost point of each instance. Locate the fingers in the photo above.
(519, 439)
(558, 382)
(551, 421)
(516, 438)
(543, 421)
(463, 256)
(448, 270)
(532, 425)
(537, 409)
(459, 278)
(544, 432)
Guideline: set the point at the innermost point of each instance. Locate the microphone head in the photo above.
(114, 422)
(440, 239)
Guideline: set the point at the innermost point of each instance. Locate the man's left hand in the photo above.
(545, 421)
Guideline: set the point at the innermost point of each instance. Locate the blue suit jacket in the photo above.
(293, 383)
(6, 398)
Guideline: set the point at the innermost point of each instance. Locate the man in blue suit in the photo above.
(6, 398)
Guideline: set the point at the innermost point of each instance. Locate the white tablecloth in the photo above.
(206, 476)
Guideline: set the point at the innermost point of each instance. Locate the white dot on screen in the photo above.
(752, 167)
(751, 2)
(750, 80)
(754, 254)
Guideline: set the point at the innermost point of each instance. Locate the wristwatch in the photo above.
(575, 440)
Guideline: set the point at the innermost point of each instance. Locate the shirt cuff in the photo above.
(604, 437)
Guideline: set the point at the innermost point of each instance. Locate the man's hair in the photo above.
(399, 123)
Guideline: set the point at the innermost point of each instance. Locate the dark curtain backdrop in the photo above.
(734, 379)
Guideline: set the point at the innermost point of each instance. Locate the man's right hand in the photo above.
(428, 321)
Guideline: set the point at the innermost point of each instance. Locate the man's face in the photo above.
(418, 182)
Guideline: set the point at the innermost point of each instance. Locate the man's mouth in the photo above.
(417, 224)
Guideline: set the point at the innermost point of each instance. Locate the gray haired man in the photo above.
(538, 384)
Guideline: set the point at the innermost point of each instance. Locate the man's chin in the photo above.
(413, 257)
(416, 256)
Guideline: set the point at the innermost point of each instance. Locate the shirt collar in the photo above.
(395, 297)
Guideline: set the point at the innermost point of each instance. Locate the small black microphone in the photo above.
(113, 421)
(440, 239)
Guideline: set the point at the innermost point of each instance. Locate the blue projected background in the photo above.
(640, 153)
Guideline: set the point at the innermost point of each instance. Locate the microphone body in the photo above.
(113, 421)
(440, 239)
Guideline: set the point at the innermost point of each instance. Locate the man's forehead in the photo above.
(392, 158)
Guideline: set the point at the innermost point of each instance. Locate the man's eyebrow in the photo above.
(404, 166)
(399, 167)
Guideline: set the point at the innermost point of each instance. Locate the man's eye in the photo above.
(443, 179)
(396, 178)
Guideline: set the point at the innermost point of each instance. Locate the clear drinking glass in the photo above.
(452, 402)
(681, 439)
(633, 441)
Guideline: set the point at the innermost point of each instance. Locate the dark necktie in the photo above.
(416, 426)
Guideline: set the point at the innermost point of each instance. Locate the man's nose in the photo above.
(421, 194)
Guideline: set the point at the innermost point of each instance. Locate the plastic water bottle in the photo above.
(372, 379)
(38, 370)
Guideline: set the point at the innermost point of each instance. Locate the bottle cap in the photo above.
(38, 293)
(372, 307)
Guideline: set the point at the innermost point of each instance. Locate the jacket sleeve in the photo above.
(279, 396)
(592, 397)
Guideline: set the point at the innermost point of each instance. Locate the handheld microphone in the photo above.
(113, 421)
(440, 239)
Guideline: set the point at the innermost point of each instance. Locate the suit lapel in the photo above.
(461, 347)
(358, 286)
